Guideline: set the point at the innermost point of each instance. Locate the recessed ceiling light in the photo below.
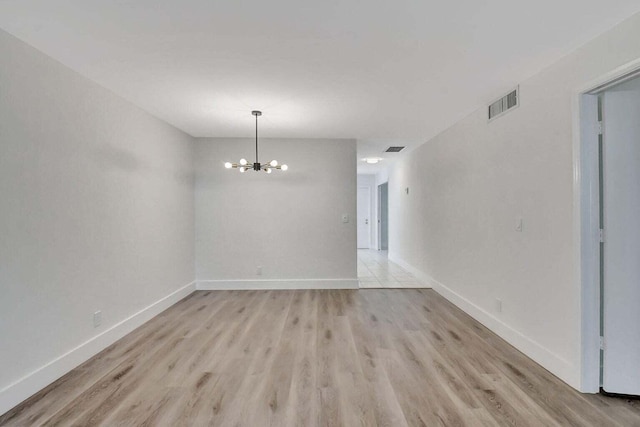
(372, 160)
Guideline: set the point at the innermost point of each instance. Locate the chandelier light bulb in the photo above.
(228, 165)
(284, 167)
(274, 163)
(268, 170)
(242, 169)
(243, 162)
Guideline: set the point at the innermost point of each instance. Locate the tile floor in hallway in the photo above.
(376, 271)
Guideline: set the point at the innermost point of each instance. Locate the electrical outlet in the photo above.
(498, 305)
(97, 319)
(259, 270)
(345, 218)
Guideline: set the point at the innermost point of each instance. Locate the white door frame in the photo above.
(378, 217)
(586, 224)
(379, 214)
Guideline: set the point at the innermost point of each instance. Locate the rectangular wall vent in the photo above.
(393, 149)
(504, 104)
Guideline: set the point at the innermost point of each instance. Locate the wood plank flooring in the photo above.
(315, 358)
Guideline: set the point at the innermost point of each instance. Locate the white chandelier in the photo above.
(244, 165)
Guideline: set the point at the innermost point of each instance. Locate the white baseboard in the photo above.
(540, 354)
(418, 274)
(30, 384)
(228, 285)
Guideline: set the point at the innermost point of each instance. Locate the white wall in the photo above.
(96, 213)
(382, 176)
(369, 181)
(289, 223)
(469, 185)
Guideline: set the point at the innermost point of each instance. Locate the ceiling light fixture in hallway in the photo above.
(372, 160)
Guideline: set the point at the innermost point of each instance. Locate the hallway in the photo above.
(376, 271)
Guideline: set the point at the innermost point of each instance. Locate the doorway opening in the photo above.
(374, 268)
(383, 216)
(608, 165)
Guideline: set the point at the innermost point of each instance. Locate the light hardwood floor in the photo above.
(315, 358)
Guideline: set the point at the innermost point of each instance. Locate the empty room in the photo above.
(343, 213)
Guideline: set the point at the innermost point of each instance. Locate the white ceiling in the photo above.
(384, 72)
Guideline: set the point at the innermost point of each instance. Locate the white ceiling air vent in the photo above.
(504, 104)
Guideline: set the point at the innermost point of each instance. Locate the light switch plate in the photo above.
(519, 225)
(97, 319)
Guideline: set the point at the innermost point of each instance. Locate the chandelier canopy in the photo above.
(243, 165)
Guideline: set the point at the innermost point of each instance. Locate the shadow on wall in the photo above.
(113, 158)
